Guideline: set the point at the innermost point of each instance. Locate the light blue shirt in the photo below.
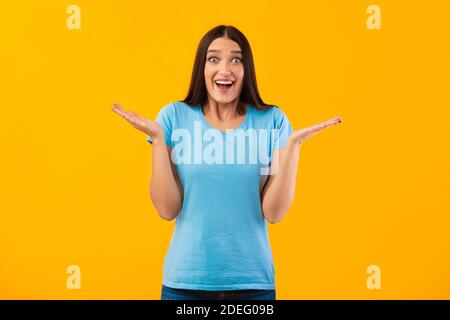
(220, 240)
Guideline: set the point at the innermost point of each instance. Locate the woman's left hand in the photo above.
(299, 136)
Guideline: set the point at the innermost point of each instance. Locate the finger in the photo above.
(324, 124)
(335, 120)
(123, 114)
(116, 104)
(118, 108)
(134, 117)
(120, 112)
(128, 115)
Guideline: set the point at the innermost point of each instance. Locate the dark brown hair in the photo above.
(197, 90)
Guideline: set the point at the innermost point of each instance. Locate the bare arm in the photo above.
(278, 193)
(166, 191)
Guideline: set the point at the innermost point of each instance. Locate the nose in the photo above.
(224, 68)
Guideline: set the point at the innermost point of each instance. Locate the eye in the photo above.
(212, 59)
(238, 60)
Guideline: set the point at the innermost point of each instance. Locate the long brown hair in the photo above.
(197, 90)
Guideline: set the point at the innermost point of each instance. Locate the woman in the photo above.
(203, 176)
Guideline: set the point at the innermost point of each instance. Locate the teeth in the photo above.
(224, 82)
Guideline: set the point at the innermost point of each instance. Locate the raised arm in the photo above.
(278, 193)
(166, 191)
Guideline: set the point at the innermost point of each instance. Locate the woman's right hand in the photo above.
(148, 126)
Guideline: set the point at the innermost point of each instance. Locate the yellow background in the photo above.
(371, 191)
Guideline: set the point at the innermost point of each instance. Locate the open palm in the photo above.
(299, 136)
(148, 126)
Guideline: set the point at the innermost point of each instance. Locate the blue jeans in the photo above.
(187, 294)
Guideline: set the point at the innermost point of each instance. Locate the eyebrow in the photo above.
(232, 51)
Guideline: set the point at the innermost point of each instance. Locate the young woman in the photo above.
(224, 164)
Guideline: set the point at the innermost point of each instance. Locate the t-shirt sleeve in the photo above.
(282, 128)
(165, 119)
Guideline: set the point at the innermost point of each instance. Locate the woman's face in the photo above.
(224, 70)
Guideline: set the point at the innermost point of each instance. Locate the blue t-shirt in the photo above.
(220, 240)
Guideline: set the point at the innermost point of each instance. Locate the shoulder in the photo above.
(274, 113)
(175, 110)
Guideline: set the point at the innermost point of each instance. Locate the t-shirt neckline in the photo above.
(242, 125)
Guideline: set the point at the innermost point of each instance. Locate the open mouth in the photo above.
(224, 85)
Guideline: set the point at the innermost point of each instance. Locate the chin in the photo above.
(224, 99)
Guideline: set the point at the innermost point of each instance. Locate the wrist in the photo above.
(158, 138)
(293, 144)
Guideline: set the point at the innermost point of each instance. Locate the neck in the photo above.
(221, 111)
